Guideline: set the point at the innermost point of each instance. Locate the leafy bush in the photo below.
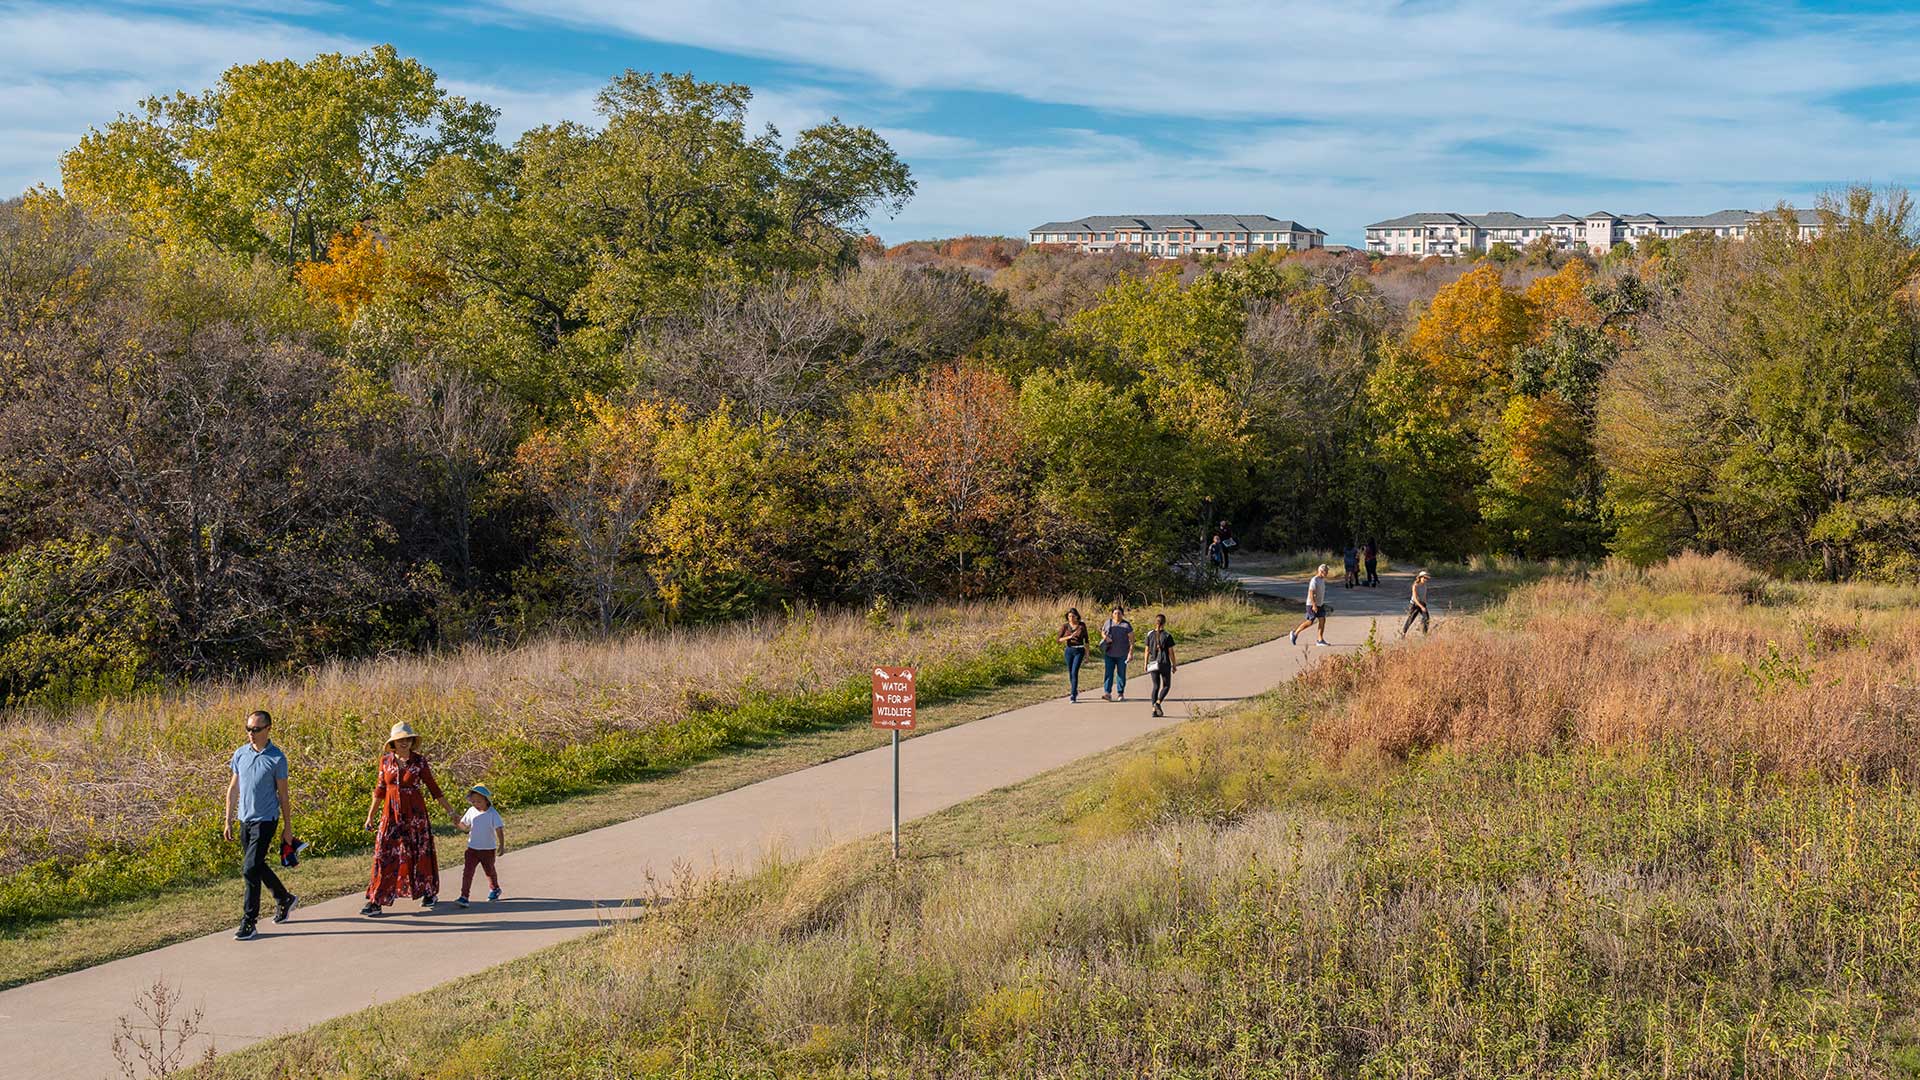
(68, 632)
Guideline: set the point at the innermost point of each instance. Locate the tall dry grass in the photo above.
(110, 779)
(1822, 678)
(1577, 885)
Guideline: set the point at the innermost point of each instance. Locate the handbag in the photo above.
(1153, 666)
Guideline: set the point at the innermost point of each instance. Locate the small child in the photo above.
(486, 838)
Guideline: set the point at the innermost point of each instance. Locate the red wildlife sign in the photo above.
(893, 698)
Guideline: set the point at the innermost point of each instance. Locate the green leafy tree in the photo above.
(280, 156)
(70, 628)
(567, 250)
(723, 535)
(1769, 404)
(1425, 446)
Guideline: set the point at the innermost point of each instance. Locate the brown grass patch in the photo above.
(1679, 654)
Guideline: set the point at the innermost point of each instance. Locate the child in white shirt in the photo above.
(486, 838)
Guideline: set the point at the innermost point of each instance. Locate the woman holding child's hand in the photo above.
(404, 862)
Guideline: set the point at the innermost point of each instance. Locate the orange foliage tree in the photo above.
(1467, 335)
(351, 276)
(957, 440)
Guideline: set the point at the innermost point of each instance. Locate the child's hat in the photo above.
(481, 790)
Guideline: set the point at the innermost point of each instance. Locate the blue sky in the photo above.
(1013, 112)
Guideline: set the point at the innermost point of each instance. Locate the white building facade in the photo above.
(1447, 234)
(1170, 236)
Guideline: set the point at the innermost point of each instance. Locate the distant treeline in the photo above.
(311, 364)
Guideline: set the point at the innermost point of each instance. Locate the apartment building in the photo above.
(1446, 234)
(1174, 235)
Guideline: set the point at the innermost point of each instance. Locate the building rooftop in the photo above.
(1163, 222)
(1507, 219)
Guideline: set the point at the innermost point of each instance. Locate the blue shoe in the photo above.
(462, 902)
(493, 894)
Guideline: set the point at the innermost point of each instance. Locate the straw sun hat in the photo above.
(402, 730)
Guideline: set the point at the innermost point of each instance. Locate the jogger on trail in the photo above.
(1316, 607)
(1417, 605)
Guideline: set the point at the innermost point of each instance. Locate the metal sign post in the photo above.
(893, 708)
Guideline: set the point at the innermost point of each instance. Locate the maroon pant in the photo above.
(477, 857)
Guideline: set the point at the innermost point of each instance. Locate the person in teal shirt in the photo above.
(257, 801)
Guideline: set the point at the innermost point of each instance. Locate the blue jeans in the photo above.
(1116, 674)
(1076, 655)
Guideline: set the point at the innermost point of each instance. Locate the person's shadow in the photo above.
(447, 917)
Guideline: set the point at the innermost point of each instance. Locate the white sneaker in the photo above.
(1322, 644)
(1293, 638)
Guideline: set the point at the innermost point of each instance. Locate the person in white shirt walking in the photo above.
(486, 838)
(1316, 607)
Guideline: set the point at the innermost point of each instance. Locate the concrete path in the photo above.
(329, 961)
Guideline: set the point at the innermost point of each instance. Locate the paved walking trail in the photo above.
(328, 960)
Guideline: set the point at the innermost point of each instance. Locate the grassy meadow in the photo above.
(1624, 824)
(122, 801)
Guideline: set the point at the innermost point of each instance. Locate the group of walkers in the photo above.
(404, 861)
(1220, 548)
(1117, 647)
(1371, 555)
(1317, 598)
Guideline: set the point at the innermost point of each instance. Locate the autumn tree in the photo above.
(1467, 335)
(353, 275)
(1542, 493)
(208, 449)
(1562, 295)
(599, 478)
(280, 156)
(957, 438)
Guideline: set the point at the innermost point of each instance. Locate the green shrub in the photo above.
(67, 632)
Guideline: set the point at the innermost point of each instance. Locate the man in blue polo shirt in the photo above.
(257, 799)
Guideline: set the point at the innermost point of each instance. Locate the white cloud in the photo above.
(1598, 107)
(63, 70)
(522, 108)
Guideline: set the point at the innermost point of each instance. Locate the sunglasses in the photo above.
(250, 727)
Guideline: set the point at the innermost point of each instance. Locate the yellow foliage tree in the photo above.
(351, 276)
(1467, 335)
(600, 478)
(1561, 295)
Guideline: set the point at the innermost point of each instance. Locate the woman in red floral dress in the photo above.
(404, 862)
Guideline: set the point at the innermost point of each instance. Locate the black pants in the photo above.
(257, 838)
(1373, 571)
(1415, 611)
(1162, 682)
